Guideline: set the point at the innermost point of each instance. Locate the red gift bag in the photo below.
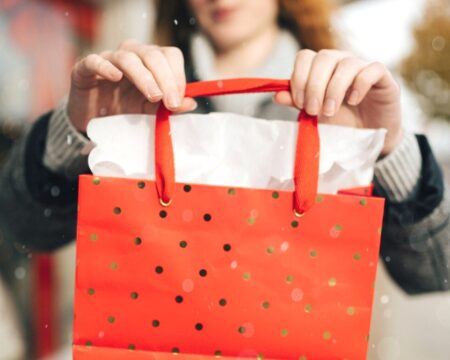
(201, 271)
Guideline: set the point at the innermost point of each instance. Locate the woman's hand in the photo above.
(132, 79)
(344, 90)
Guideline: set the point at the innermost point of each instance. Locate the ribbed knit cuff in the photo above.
(66, 149)
(399, 172)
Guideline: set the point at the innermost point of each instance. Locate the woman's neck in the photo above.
(247, 56)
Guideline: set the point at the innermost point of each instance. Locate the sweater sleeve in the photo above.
(37, 205)
(415, 242)
(66, 149)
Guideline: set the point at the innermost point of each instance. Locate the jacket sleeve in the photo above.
(37, 206)
(415, 242)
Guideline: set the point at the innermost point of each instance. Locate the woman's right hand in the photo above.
(132, 79)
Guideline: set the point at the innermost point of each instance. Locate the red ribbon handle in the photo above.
(306, 171)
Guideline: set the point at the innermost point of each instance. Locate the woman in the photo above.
(230, 38)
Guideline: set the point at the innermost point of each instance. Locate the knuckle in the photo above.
(379, 66)
(127, 43)
(173, 51)
(123, 57)
(305, 53)
(326, 52)
(152, 53)
(91, 60)
(348, 61)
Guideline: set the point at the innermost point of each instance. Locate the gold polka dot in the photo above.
(88, 343)
(319, 199)
(131, 347)
(246, 276)
(327, 335)
(111, 319)
(332, 282)
(357, 256)
(91, 291)
(114, 266)
(175, 351)
(308, 308)
(284, 332)
(117, 210)
(270, 250)
(266, 304)
(231, 191)
(313, 253)
(96, 180)
(380, 230)
(289, 279)
(93, 237)
(275, 195)
(260, 356)
(367, 337)
(351, 311)
(134, 295)
(137, 241)
(363, 202)
(303, 357)
(218, 353)
(251, 220)
(338, 227)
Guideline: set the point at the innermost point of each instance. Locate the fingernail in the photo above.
(173, 101)
(353, 98)
(329, 107)
(154, 95)
(194, 106)
(312, 107)
(300, 99)
(114, 73)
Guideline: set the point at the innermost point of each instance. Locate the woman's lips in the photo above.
(223, 14)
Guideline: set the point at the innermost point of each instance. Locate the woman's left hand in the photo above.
(344, 90)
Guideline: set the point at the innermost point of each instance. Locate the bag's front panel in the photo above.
(224, 271)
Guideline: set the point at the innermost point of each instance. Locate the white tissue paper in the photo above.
(232, 150)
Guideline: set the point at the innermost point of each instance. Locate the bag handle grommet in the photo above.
(165, 204)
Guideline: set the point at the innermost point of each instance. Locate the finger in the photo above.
(373, 74)
(322, 69)
(343, 77)
(132, 45)
(302, 67)
(284, 98)
(93, 66)
(158, 64)
(187, 104)
(137, 74)
(175, 59)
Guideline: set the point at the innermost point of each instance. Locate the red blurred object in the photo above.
(43, 309)
(81, 15)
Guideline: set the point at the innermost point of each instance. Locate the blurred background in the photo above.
(40, 41)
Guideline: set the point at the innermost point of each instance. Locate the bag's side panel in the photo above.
(224, 270)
